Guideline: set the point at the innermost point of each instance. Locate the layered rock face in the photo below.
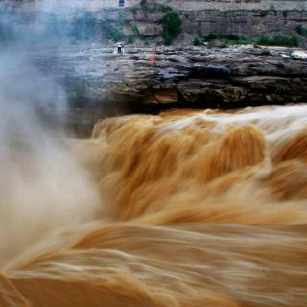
(226, 78)
(235, 17)
(253, 22)
(199, 18)
(232, 5)
(100, 82)
(144, 25)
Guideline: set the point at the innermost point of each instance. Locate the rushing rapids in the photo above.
(197, 208)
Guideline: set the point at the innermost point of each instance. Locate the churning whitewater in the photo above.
(186, 208)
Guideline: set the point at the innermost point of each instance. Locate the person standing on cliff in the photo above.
(119, 49)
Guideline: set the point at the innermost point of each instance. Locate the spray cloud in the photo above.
(42, 186)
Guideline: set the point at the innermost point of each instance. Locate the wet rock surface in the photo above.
(99, 82)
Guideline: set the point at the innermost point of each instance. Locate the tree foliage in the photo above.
(171, 23)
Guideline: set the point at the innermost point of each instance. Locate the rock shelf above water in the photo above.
(147, 80)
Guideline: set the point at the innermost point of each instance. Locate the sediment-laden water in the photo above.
(194, 208)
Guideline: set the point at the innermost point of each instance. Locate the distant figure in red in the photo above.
(152, 58)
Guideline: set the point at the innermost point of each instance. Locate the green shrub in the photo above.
(233, 39)
(171, 23)
(135, 30)
(111, 31)
(301, 30)
(197, 41)
(131, 39)
(116, 34)
(278, 40)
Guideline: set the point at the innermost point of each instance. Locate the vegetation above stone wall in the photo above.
(151, 23)
(232, 39)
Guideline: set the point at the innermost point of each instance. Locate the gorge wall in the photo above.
(230, 5)
(251, 18)
(140, 22)
(199, 17)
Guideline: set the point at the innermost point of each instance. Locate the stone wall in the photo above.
(245, 17)
(253, 22)
(199, 17)
(190, 5)
(232, 5)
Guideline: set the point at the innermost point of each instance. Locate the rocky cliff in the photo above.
(100, 83)
(143, 23)
(245, 17)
